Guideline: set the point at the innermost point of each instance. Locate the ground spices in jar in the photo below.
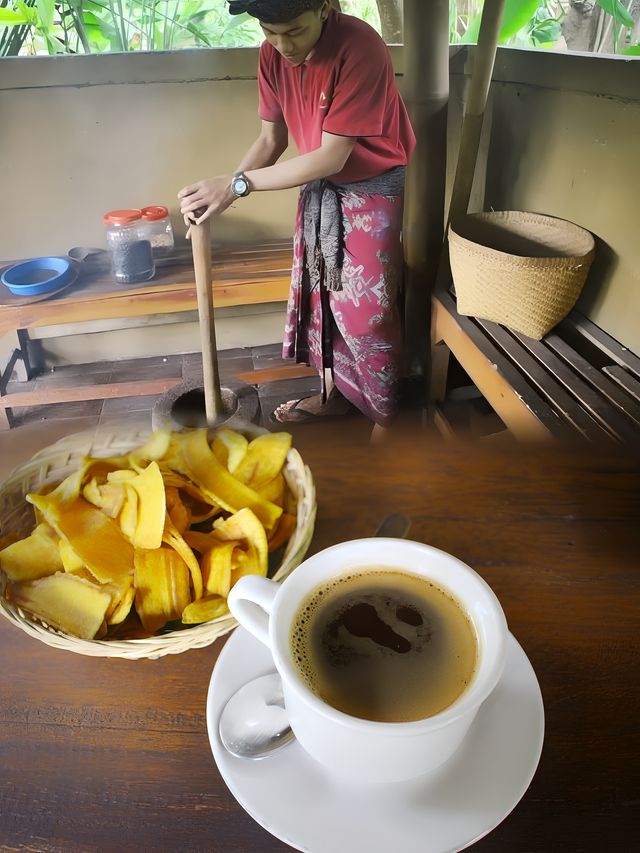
(131, 255)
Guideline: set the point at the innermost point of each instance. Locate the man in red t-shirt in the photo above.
(327, 79)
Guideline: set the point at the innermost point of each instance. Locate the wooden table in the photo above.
(242, 275)
(101, 755)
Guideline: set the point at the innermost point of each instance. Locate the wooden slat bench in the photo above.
(243, 275)
(577, 381)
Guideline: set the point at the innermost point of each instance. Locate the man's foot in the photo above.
(313, 409)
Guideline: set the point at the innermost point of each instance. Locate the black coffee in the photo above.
(384, 645)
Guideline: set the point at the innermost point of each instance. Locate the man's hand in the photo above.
(206, 198)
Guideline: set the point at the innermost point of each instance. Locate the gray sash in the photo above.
(323, 227)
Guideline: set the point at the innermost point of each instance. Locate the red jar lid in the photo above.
(122, 217)
(154, 212)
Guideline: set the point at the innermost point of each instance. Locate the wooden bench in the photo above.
(577, 381)
(241, 276)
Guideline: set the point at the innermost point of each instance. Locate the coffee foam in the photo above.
(300, 639)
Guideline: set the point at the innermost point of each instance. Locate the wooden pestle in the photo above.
(201, 248)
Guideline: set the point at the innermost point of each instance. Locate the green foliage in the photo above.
(11, 18)
(617, 11)
(534, 23)
(96, 26)
(544, 30)
(100, 26)
(517, 14)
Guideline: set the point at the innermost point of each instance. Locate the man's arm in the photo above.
(327, 160)
(265, 151)
(214, 194)
(268, 147)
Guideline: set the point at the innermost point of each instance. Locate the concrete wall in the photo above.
(83, 135)
(562, 139)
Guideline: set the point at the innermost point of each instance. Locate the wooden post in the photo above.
(426, 93)
(201, 248)
(483, 62)
(476, 102)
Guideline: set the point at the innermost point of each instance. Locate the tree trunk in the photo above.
(579, 25)
(390, 12)
(634, 38)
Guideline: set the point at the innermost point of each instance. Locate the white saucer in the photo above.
(301, 803)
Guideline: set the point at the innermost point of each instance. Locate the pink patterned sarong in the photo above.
(354, 331)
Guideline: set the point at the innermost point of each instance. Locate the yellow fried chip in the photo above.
(246, 527)
(199, 496)
(155, 448)
(283, 531)
(199, 541)
(216, 568)
(273, 490)
(129, 513)
(67, 602)
(179, 514)
(70, 560)
(33, 557)
(161, 580)
(202, 466)
(244, 563)
(264, 459)
(204, 610)
(122, 475)
(173, 538)
(229, 447)
(151, 508)
(96, 538)
(121, 602)
(109, 497)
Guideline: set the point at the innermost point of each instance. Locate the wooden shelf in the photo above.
(242, 275)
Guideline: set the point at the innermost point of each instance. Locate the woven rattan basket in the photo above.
(57, 461)
(522, 270)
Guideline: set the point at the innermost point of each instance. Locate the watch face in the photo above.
(239, 186)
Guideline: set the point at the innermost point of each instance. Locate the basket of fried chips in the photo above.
(124, 544)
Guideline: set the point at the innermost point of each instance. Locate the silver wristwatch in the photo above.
(240, 185)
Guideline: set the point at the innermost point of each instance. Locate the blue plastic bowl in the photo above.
(39, 275)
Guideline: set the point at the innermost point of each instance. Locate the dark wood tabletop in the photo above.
(101, 754)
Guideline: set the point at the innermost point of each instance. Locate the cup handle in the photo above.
(250, 602)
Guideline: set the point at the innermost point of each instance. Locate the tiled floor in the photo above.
(39, 426)
(99, 412)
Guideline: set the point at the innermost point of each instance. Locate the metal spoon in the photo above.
(254, 721)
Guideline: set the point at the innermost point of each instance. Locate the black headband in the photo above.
(273, 11)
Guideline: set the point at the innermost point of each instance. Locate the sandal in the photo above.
(289, 413)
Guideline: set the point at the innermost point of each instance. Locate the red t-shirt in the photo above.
(346, 87)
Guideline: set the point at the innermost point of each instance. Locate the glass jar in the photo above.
(129, 246)
(157, 229)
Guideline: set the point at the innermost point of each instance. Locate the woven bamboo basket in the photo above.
(54, 463)
(523, 270)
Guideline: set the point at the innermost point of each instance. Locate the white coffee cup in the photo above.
(354, 748)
